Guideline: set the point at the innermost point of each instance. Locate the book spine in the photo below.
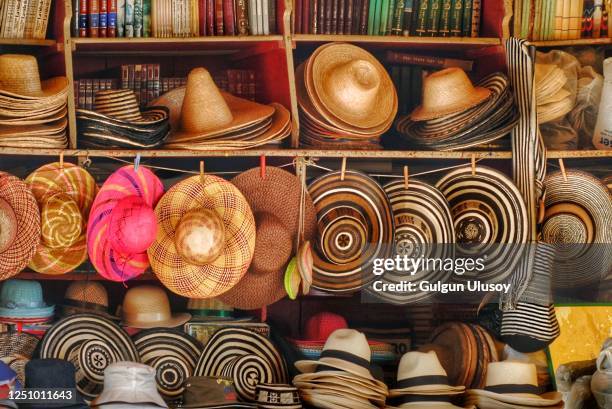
(89, 95)
(41, 29)
(444, 27)
(138, 18)
(408, 10)
(421, 26)
(82, 93)
(8, 17)
(456, 17)
(272, 17)
(19, 21)
(210, 17)
(297, 17)
(76, 94)
(156, 81)
(321, 16)
(466, 19)
(349, 17)
(111, 21)
(306, 17)
(259, 16)
(329, 9)
(339, 28)
(416, 7)
(575, 19)
(30, 20)
(398, 18)
(252, 10)
(265, 20)
(364, 17)
(242, 18)
(399, 58)
(219, 17)
(102, 19)
(334, 17)
(76, 8)
(202, 17)
(433, 17)
(94, 15)
(390, 15)
(147, 25)
(120, 18)
(475, 21)
(377, 16)
(228, 17)
(129, 18)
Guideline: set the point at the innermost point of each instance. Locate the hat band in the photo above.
(212, 313)
(345, 356)
(421, 398)
(422, 380)
(513, 388)
(68, 302)
(12, 305)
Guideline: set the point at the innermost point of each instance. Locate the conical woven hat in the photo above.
(204, 108)
(19, 77)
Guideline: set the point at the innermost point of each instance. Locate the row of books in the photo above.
(24, 19)
(423, 18)
(173, 18)
(147, 84)
(545, 20)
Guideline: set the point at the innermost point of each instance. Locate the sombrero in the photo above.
(122, 223)
(173, 354)
(19, 225)
(490, 219)
(247, 371)
(65, 193)
(202, 205)
(91, 343)
(355, 227)
(275, 202)
(578, 220)
(20, 78)
(229, 343)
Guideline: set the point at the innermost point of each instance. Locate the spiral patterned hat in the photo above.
(64, 193)
(122, 223)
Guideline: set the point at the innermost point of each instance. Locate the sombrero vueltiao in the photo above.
(19, 225)
(122, 223)
(275, 202)
(65, 193)
(202, 206)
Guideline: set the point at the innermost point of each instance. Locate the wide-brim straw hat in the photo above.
(20, 78)
(148, 306)
(484, 402)
(20, 225)
(65, 193)
(335, 400)
(275, 200)
(111, 223)
(234, 250)
(421, 373)
(341, 382)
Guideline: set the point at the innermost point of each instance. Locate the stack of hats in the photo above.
(553, 100)
(422, 382)
(454, 114)
(204, 118)
(33, 113)
(117, 122)
(342, 377)
(512, 385)
(21, 302)
(16, 350)
(346, 98)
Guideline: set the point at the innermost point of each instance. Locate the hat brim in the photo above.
(69, 310)
(307, 366)
(221, 406)
(428, 390)
(332, 400)
(49, 88)
(479, 95)
(27, 313)
(525, 399)
(343, 387)
(175, 321)
(429, 405)
(130, 397)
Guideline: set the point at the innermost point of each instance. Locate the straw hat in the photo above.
(446, 92)
(275, 201)
(20, 78)
(422, 373)
(277, 396)
(147, 306)
(202, 208)
(23, 299)
(211, 392)
(19, 225)
(65, 193)
(247, 371)
(122, 224)
(209, 308)
(16, 349)
(86, 297)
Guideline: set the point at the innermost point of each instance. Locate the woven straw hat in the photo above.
(86, 296)
(122, 224)
(446, 92)
(20, 78)
(19, 225)
(147, 306)
(64, 194)
(191, 213)
(275, 202)
(421, 372)
(23, 299)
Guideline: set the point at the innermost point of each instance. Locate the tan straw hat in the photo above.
(421, 372)
(447, 92)
(20, 78)
(86, 296)
(206, 237)
(147, 306)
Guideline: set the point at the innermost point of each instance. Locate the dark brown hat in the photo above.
(211, 392)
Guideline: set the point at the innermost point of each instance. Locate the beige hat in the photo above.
(447, 92)
(515, 383)
(20, 78)
(420, 373)
(147, 306)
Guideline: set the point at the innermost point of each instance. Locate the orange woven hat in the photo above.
(20, 78)
(64, 193)
(19, 225)
(275, 201)
(206, 237)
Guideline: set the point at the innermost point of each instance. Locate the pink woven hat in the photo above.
(122, 223)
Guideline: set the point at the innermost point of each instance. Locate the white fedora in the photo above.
(422, 373)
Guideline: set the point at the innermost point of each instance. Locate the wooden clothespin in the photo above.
(406, 177)
(562, 166)
(473, 164)
(202, 171)
(137, 162)
(343, 169)
(262, 166)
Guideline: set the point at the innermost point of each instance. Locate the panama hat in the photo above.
(23, 299)
(147, 306)
(65, 193)
(122, 223)
(275, 201)
(211, 392)
(86, 297)
(202, 206)
(91, 343)
(19, 225)
(422, 373)
(63, 378)
(172, 354)
(20, 78)
(515, 383)
(129, 383)
(277, 396)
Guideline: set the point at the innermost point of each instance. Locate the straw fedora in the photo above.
(19, 225)
(211, 392)
(65, 193)
(277, 396)
(86, 297)
(515, 383)
(202, 206)
(446, 92)
(275, 201)
(422, 373)
(147, 306)
(122, 223)
(23, 299)
(20, 78)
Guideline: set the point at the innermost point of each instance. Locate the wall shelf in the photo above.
(579, 154)
(30, 42)
(439, 43)
(569, 43)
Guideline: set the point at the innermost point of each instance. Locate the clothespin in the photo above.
(343, 169)
(19, 327)
(473, 164)
(136, 162)
(61, 161)
(562, 166)
(262, 166)
(406, 177)
(202, 171)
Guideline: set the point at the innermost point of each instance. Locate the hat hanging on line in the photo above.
(19, 225)
(122, 224)
(65, 193)
(86, 297)
(23, 300)
(275, 202)
(202, 206)
(277, 396)
(211, 392)
(148, 306)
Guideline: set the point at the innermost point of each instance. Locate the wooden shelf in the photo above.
(576, 42)
(438, 42)
(31, 42)
(579, 154)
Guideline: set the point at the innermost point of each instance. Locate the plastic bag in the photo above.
(584, 115)
(559, 134)
(567, 62)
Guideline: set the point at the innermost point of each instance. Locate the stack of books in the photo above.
(173, 18)
(422, 18)
(547, 20)
(24, 19)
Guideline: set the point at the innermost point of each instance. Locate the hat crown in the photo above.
(8, 225)
(117, 103)
(21, 294)
(416, 364)
(208, 390)
(270, 233)
(19, 74)
(87, 292)
(353, 86)
(511, 373)
(349, 340)
(146, 303)
(204, 108)
(61, 221)
(447, 87)
(320, 326)
(37, 374)
(200, 236)
(130, 376)
(133, 225)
